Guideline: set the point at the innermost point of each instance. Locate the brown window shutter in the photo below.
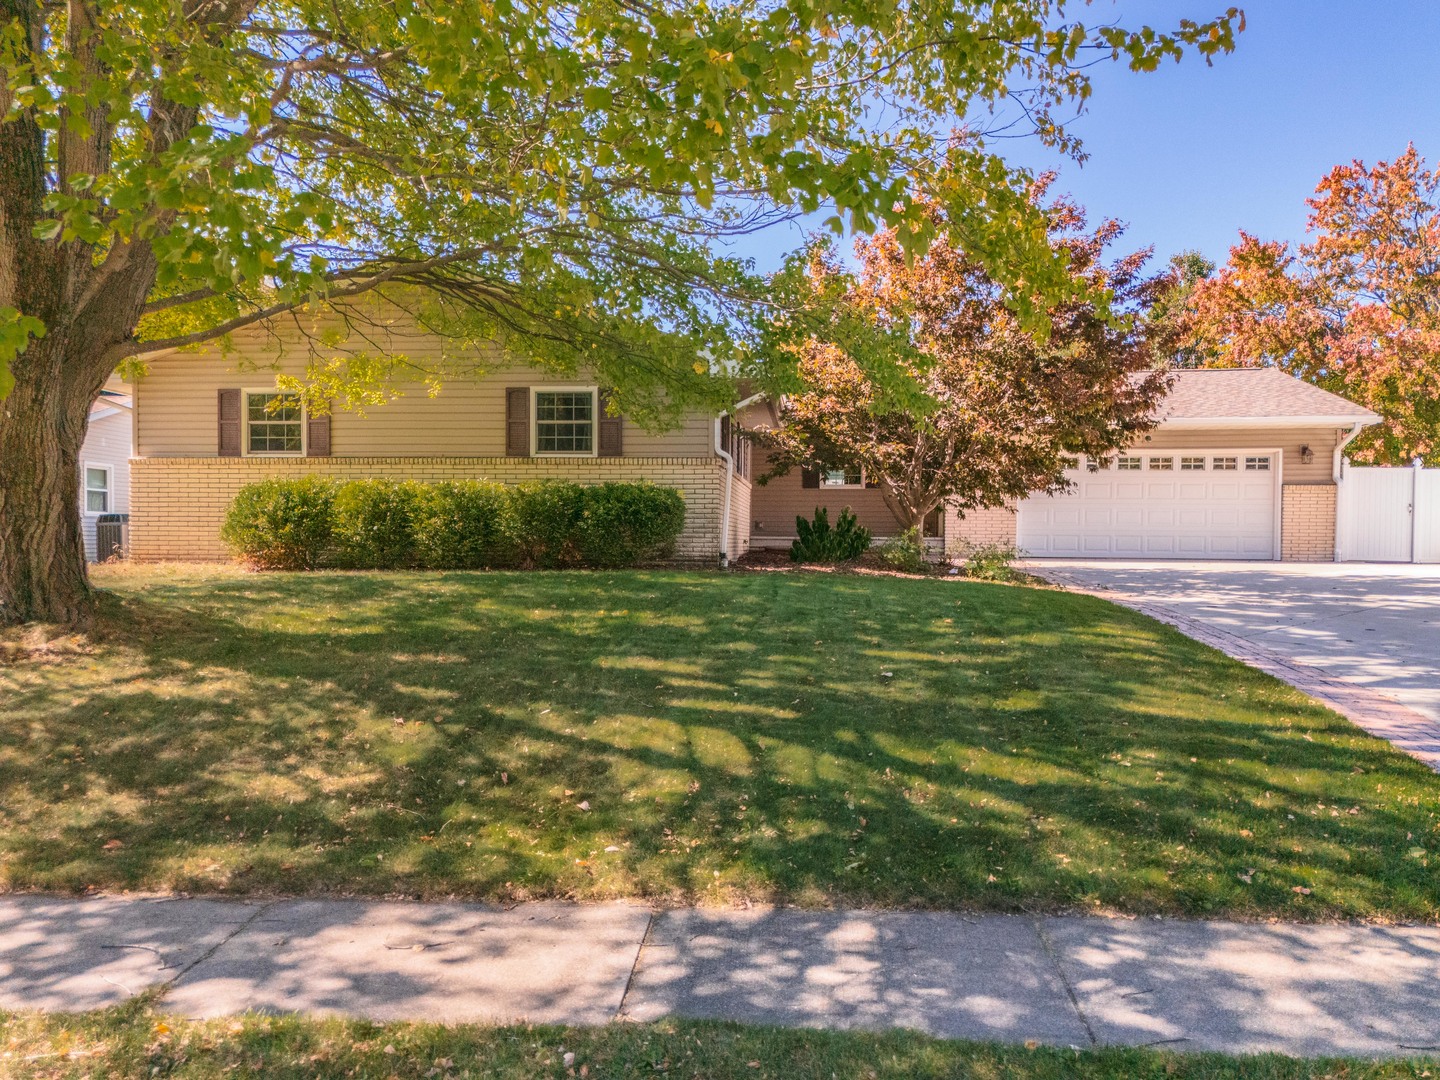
(230, 406)
(317, 436)
(809, 478)
(517, 421)
(611, 442)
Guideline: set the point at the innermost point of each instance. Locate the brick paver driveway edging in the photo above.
(1407, 729)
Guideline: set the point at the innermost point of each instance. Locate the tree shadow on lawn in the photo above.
(691, 737)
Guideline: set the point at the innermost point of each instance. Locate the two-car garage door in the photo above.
(1192, 504)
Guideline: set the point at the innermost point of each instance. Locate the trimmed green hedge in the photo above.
(456, 525)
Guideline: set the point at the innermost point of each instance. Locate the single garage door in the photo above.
(1199, 504)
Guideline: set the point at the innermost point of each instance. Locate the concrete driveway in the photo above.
(1375, 626)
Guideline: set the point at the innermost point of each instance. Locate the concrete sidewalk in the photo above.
(1303, 990)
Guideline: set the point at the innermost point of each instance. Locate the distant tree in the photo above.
(1167, 316)
(972, 408)
(1356, 311)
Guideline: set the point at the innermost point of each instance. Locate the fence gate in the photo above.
(1389, 515)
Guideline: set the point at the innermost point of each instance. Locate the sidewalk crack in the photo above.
(1054, 955)
(635, 966)
(208, 953)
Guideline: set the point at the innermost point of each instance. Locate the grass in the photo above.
(802, 738)
(133, 1042)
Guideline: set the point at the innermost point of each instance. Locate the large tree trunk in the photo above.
(42, 554)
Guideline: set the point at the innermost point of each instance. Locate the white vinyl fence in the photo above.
(1389, 515)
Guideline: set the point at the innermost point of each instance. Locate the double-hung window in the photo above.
(565, 422)
(97, 489)
(274, 424)
(851, 477)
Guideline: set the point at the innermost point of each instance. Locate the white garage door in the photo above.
(1199, 504)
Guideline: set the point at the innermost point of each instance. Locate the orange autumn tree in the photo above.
(1356, 311)
(918, 372)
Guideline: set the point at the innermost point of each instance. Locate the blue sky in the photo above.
(1191, 154)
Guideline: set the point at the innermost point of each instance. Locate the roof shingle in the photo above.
(1253, 393)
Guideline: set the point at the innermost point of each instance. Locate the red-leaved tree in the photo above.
(1356, 311)
(918, 372)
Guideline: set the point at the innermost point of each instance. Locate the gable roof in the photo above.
(1255, 395)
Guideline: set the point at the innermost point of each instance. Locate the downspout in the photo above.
(724, 455)
(1337, 474)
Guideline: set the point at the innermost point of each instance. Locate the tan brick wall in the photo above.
(978, 527)
(1307, 522)
(178, 504)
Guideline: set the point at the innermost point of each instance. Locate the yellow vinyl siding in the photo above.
(1321, 440)
(176, 403)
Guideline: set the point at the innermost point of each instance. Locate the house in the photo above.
(207, 423)
(105, 463)
(1244, 463)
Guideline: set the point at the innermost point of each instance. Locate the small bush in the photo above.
(282, 524)
(623, 524)
(991, 562)
(905, 552)
(818, 542)
(375, 524)
(465, 525)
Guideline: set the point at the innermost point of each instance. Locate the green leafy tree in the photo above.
(551, 177)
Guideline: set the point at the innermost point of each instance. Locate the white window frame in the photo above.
(842, 487)
(245, 451)
(1188, 462)
(1129, 463)
(1232, 463)
(1152, 460)
(85, 489)
(1258, 463)
(594, 392)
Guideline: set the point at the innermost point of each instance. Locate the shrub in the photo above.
(546, 517)
(456, 525)
(905, 552)
(281, 524)
(375, 524)
(819, 543)
(465, 525)
(623, 524)
(991, 562)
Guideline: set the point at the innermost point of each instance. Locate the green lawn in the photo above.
(136, 1043)
(798, 737)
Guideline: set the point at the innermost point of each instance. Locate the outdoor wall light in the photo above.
(1306, 455)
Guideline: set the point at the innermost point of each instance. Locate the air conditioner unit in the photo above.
(112, 536)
